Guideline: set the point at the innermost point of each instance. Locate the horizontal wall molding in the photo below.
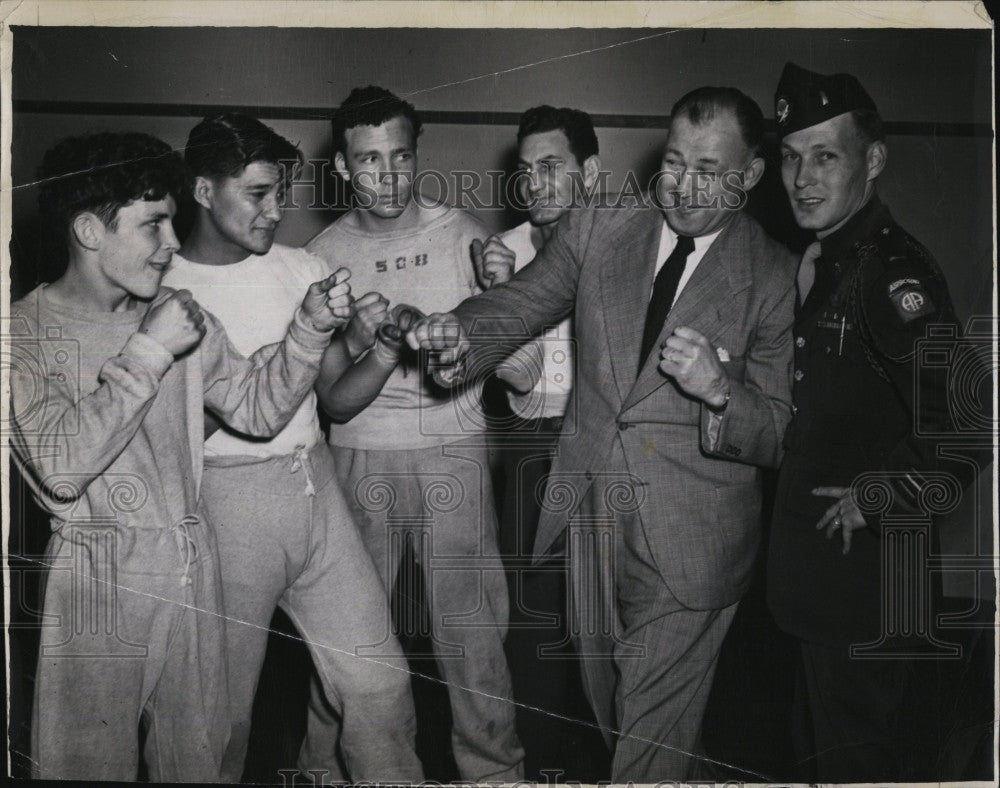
(445, 117)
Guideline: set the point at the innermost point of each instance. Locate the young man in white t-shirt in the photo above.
(286, 536)
(415, 461)
(558, 164)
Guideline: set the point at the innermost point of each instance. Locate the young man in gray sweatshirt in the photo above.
(106, 427)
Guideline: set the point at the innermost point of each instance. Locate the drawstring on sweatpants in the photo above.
(186, 545)
(300, 459)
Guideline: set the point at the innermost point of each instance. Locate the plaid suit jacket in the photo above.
(700, 508)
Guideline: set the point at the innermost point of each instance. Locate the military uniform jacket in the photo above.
(856, 401)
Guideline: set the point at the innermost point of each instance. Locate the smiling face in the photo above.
(549, 176)
(135, 250)
(380, 162)
(829, 173)
(244, 211)
(702, 164)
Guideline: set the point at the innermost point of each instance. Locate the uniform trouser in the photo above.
(132, 632)
(854, 706)
(443, 496)
(648, 661)
(286, 537)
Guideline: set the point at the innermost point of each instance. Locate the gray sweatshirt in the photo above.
(107, 426)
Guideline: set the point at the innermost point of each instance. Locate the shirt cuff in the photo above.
(713, 428)
(302, 331)
(149, 353)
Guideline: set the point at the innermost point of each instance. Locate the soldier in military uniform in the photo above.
(867, 292)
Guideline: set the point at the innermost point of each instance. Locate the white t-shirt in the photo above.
(255, 300)
(551, 393)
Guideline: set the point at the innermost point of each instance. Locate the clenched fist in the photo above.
(689, 358)
(443, 335)
(328, 304)
(405, 317)
(390, 339)
(176, 323)
(494, 262)
(370, 312)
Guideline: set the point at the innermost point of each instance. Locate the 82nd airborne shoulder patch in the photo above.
(910, 299)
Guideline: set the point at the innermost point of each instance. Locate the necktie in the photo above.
(664, 290)
(807, 270)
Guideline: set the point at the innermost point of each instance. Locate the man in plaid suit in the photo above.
(683, 311)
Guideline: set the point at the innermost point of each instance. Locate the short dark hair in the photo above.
(223, 145)
(869, 127)
(104, 172)
(701, 104)
(574, 123)
(371, 106)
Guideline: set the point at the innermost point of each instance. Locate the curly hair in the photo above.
(574, 123)
(370, 106)
(101, 173)
(223, 145)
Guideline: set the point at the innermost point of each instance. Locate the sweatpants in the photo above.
(286, 537)
(443, 496)
(132, 633)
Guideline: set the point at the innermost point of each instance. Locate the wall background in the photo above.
(932, 87)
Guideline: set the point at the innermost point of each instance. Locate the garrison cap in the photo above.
(805, 98)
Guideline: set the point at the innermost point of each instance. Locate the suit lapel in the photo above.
(626, 282)
(703, 303)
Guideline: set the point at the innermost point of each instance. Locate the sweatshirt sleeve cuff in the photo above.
(148, 352)
(301, 331)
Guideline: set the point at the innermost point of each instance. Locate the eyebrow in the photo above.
(549, 157)
(814, 146)
(393, 152)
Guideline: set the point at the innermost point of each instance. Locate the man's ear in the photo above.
(88, 230)
(203, 191)
(876, 159)
(753, 172)
(341, 165)
(591, 169)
